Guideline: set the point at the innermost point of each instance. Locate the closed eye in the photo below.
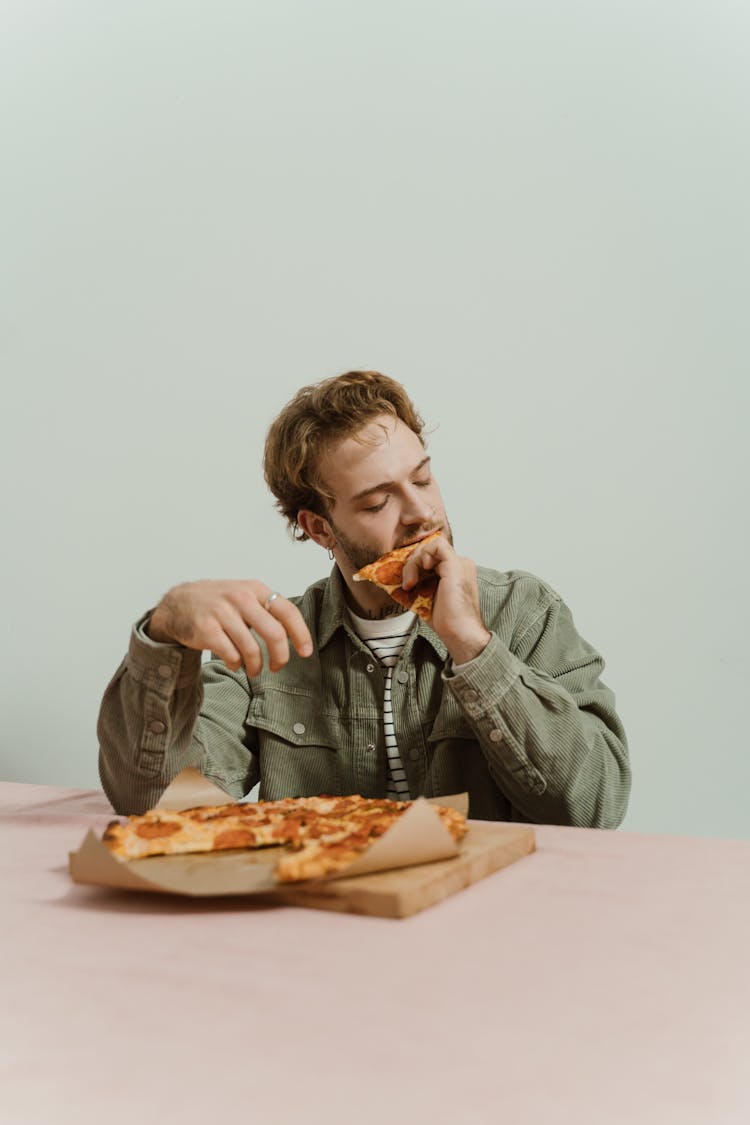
(377, 507)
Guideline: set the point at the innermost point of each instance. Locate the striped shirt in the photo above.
(386, 640)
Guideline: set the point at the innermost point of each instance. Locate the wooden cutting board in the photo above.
(398, 894)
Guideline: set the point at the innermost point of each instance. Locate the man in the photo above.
(341, 691)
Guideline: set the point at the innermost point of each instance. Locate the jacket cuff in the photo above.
(480, 685)
(161, 668)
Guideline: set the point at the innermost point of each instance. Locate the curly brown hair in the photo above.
(318, 417)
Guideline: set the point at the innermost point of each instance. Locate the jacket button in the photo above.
(496, 735)
(414, 754)
(165, 671)
(471, 696)
(157, 726)
(402, 677)
(370, 667)
(299, 728)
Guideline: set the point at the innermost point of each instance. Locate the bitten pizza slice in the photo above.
(387, 573)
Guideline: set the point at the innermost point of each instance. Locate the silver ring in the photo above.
(271, 599)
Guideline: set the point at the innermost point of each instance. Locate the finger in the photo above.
(265, 624)
(220, 644)
(277, 643)
(282, 612)
(411, 573)
(423, 559)
(293, 623)
(243, 641)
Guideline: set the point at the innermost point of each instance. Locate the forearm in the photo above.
(553, 743)
(147, 723)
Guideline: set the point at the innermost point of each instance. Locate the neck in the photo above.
(372, 610)
(380, 614)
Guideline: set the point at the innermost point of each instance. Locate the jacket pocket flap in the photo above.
(294, 718)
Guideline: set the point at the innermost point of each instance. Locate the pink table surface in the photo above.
(604, 979)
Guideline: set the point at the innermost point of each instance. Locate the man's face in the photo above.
(385, 493)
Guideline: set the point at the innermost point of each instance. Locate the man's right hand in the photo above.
(221, 617)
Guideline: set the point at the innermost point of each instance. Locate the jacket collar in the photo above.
(332, 613)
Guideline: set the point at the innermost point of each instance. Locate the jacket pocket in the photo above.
(297, 745)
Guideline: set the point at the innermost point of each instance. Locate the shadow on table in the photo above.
(110, 901)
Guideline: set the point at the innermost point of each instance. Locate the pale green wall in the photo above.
(533, 214)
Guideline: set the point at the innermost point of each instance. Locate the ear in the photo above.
(316, 528)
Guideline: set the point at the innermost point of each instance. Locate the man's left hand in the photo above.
(456, 617)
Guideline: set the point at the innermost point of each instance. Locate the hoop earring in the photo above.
(331, 555)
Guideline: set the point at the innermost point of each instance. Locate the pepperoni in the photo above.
(154, 829)
(390, 572)
(322, 828)
(220, 812)
(289, 829)
(235, 838)
(423, 590)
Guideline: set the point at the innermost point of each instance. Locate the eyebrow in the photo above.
(386, 484)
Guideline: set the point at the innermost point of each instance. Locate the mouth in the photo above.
(421, 536)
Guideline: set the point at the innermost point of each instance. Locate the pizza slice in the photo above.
(211, 828)
(334, 850)
(387, 573)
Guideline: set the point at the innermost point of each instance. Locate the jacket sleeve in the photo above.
(547, 725)
(163, 711)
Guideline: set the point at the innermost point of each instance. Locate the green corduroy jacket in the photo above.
(527, 728)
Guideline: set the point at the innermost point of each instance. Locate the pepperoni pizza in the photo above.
(322, 835)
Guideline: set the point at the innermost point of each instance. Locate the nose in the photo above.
(417, 509)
